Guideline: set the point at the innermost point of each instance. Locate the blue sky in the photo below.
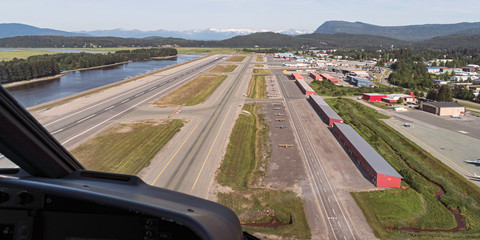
(250, 14)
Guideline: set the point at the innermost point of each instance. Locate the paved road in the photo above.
(71, 128)
(190, 166)
(73, 125)
(327, 202)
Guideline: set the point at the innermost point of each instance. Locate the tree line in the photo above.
(409, 74)
(50, 65)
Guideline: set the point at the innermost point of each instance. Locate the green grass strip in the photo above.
(460, 193)
(223, 68)
(193, 92)
(236, 59)
(126, 148)
(257, 87)
(242, 168)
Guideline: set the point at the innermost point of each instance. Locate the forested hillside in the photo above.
(50, 65)
(407, 33)
(90, 42)
(264, 40)
(457, 41)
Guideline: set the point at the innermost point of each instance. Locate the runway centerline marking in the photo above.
(168, 163)
(109, 99)
(83, 119)
(210, 151)
(122, 112)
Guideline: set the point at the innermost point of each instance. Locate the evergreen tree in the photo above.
(432, 94)
(444, 94)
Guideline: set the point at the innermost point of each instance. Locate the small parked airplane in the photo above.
(280, 114)
(285, 145)
(280, 119)
(282, 126)
(476, 162)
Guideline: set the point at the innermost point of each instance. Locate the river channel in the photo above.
(79, 81)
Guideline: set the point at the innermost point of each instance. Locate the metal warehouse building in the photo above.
(329, 78)
(325, 111)
(297, 76)
(373, 97)
(306, 89)
(370, 162)
(443, 108)
(315, 76)
(359, 82)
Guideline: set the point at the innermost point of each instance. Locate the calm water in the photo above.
(75, 82)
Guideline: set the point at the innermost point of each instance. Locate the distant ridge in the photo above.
(406, 33)
(18, 29)
(207, 34)
(454, 41)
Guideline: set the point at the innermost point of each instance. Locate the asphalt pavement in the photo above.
(338, 226)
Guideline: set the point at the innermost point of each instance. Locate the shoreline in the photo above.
(101, 88)
(61, 74)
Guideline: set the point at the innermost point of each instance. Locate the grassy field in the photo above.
(326, 88)
(223, 68)
(469, 104)
(194, 92)
(127, 148)
(382, 208)
(259, 58)
(257, 87)
(236, 59)
(243, 169)
(379, 104)
(259, 65)
(6, 56)
(261, 71)
(25, 53)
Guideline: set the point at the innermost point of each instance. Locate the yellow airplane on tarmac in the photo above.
(285, 145)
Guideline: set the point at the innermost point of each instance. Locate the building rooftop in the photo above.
(325, 107)
(399, 95)
(375, 94)
(377, 162)
(305, 86)
(445, 104)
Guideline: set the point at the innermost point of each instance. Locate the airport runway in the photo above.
(73, 127)
(339, 227)
(80, 119)
(190, 165)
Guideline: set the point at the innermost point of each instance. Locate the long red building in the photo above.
(370, 162)
(329, 78)
(297, 76)
(315, 76)
(306, 89)
(324, 110)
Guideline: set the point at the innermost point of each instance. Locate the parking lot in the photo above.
(452, 148)
(468, 125)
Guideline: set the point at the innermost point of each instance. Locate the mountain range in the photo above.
(407, 33)
(331, 34)
(207, 34)
(17, 29)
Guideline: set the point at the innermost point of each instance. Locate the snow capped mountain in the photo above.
(15, 29)
(207, 34)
